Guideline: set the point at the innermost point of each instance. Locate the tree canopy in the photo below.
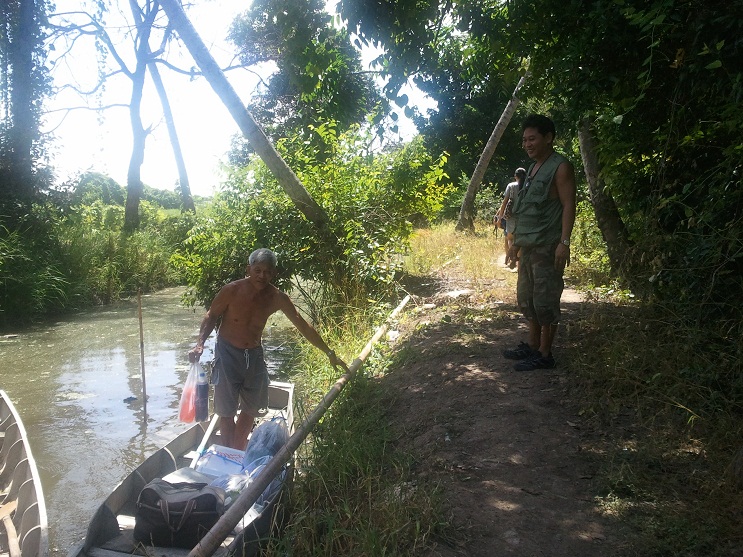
(318, 76)
(659, 84)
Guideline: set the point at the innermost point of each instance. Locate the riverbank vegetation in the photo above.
(666, 413)
(70, 252)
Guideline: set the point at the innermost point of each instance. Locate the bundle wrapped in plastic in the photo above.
(273, 487)
(232, 484)
(266, 440)
(219, 461)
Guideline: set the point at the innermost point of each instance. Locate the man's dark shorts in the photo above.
(540, 285)
(242, 378)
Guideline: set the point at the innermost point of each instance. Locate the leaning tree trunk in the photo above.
(466, 220)
(183, 183)
(609, 220)
(249, 127)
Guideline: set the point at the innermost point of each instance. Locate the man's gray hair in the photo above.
(263, 255)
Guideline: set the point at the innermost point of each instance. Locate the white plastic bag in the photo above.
(232, 484)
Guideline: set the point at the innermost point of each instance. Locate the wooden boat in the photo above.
(23, 523)
(111, 530)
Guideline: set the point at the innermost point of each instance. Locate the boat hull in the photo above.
(110, 532)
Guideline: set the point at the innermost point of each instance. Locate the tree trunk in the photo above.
(183, 183)
(249, 127)
(609, 220)
(22, 98)
(134, 187)
(466, 220)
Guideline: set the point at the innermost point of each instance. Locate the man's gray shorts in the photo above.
(242, 378)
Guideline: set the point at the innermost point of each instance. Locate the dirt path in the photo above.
(506, 447)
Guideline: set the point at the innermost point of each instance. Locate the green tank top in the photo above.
(539, 216)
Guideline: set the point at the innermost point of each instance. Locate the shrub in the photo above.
(370, 199)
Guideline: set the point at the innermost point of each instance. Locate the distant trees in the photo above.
(147, 25)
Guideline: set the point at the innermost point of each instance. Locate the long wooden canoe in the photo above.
(111, 530)
(23, 522)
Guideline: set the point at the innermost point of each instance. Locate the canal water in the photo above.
(77, 384)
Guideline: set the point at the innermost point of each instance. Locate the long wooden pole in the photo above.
(227, 522)
(141, 352)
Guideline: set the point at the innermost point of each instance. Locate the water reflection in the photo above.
(78, 387)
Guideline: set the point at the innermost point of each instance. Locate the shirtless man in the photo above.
(545, 210)
(242, 378)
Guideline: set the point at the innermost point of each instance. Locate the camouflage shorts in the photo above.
(540, 285)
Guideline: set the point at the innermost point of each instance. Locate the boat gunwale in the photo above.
(43, 522)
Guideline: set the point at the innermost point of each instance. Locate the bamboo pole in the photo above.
(227, 522)
(141, 352)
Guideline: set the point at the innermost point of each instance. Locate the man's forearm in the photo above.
(207, 326)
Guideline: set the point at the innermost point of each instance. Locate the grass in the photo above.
(664, 402)
(354, 494)
(670, 406)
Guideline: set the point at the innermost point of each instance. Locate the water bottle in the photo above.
(202, 396)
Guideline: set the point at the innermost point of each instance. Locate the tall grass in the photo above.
(55, 261)
(478, 257)
(354, 493)
(31, 281)
(673, 469)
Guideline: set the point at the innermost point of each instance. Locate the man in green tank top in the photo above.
(545, 208)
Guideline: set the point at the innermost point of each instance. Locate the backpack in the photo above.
(508, 212)
(176, 514)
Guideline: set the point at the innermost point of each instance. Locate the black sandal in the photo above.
(537, 362)
(521, 352)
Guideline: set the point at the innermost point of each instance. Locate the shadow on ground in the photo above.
(505, 448)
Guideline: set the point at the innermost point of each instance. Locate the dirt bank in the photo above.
(506, 448)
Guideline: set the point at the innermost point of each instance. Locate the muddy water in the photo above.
(77, 385)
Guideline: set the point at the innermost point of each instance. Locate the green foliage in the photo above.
(589, 262)
(457, 53)
(319, 76)
(109, 264)
(59, 260)
(89, 187)
(667, 118)
(670, 476)
(93, 186)
(31, 280)
(371, 201)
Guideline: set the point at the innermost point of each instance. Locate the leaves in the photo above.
(370, 199)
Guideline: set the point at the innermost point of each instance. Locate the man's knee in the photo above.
(547, 315)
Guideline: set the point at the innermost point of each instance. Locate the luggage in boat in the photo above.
(176, 514)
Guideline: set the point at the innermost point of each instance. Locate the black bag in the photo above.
(178, 514)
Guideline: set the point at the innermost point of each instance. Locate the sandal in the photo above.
(537, 362)
(521, 352)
